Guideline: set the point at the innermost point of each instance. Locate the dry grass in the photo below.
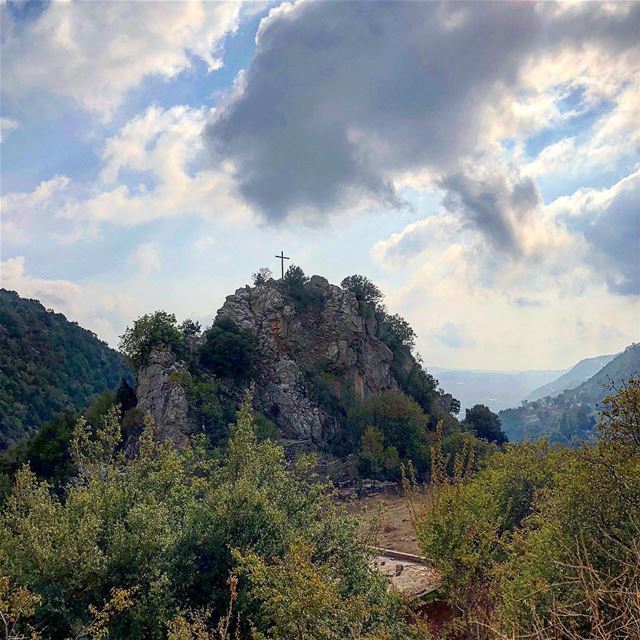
(389, 517)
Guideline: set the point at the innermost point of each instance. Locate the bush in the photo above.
(171, 528)
(152, 331)
(300, 291)
(367, 294)
(401, 421)
(542, 543)
(227, 351)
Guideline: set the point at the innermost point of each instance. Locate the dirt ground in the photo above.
(389, 518)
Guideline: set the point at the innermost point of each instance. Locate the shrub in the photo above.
(227, 351)
(261, 276)
(151, 331)
(169, 527)
(401, 421)
(367, 294)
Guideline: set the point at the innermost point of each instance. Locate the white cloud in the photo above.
(7, 125)
(524, 309)
(20, 211)
(151, 170)
(94, 52)
(146, 258)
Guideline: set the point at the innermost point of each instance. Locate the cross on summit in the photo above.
(282, 258)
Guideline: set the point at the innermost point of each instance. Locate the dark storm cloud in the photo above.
(615, 236)
(342, 95)
(496, 206)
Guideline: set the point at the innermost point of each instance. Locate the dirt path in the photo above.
(389, 517)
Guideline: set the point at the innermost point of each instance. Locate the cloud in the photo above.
(57, 293)
(151, 170)
(451, 335)
(609, 222)
(146, 258)
(342, 99)
(497, 205)
(7, 125)
(21, 211)
(94, 53)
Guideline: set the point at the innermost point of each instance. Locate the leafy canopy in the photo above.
(157, 330)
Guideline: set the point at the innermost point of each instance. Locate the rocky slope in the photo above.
(311, 357)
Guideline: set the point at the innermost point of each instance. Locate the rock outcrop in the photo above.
(160, 392)
(294, 346)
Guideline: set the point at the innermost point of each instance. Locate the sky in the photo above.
(480, 162)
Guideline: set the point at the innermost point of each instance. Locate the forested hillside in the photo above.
(570, 416)
(578, 374)
(48, 365)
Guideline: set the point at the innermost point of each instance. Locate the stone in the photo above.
(294, 345)
(160, 393)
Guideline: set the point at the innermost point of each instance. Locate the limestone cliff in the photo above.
(160, 393)
(294, 345)
(311, 357)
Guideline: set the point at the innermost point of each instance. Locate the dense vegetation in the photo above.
(570, 417)
(383, 431)
(543, 541)
(181, 544)
(48, 366)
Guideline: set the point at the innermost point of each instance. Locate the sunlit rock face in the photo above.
(326, 341)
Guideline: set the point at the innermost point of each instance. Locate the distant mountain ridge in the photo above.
(578, 374)
(570, 416)
(496, 389)
(48, 365)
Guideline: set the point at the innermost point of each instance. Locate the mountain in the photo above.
(327, 363)
(570, 416)
(578, 374)
(496, 389)
(309, 350)
(48, 365)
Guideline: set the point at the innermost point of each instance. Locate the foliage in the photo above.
(227, 351)
(190, 328)
(158, 330)
(166, 530)
(402, 423)
(48, 366)
(47, 452)
(570, 417)
(485, 424)
(367, 294)
(303, 293)
(125, 396)
(396, 332)
(261, 276)
(542, 542)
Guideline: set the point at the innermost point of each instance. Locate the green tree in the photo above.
(227, 351)
(485, 424)
(367, 294)
(261, 276)
(397, 332)
(158, 330)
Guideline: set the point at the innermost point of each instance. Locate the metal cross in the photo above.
(282, 258)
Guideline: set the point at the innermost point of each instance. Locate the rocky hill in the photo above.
(48, 365)
(570, 416)
(317, 355)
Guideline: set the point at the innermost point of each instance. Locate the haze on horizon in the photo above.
(479, 161)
